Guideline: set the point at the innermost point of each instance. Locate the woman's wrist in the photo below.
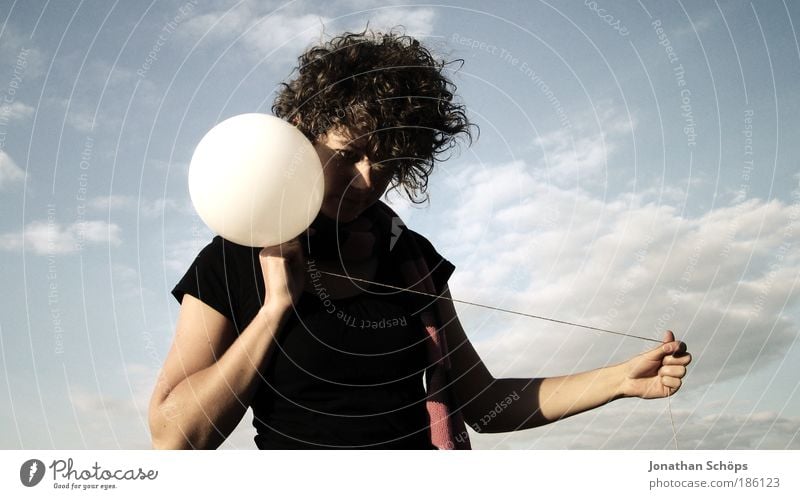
(624, 388)
(274, 311)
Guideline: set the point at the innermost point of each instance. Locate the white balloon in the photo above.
(256, 180)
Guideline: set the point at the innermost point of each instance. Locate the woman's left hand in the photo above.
(657, 373)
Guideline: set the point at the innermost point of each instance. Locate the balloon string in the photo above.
(524, 314)
(672, 420)
(493, 308)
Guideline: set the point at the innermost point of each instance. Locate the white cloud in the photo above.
(263, 30)
(51, 237)
(108, 422)
(19, 53)
(100, 99)
(124, 274)
(83, 121)
(128, 423)
(418, 22)
(725, 281)
(78, 113)
(117, 421)
(719, 279)
(16, 111)
(576, 155)
(217, 24)
(120, 421)
(180, 254)
(112, 202)
(696, 26)
(386, 14)
(631, 424)
(283, 34)
(569, 158)
(9, 171)
(148, 208)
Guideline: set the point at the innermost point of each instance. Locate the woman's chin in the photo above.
(341, 212)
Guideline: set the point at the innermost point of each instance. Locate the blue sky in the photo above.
(636, 170)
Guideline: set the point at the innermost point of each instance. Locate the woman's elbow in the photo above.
(474, 419)
(161, 443)
(164, 433)
(164, 437)
(160, 435)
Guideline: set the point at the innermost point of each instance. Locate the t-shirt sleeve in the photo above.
(207, 279)
(440, 268)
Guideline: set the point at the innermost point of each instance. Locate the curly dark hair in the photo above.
(387, 86)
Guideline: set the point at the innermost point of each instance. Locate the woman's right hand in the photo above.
(283, 266)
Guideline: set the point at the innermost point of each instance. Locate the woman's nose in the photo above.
(363, 178)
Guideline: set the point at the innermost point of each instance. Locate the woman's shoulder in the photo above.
(411, 245)
(424, 244)
(217, 277)
(399, 229)
(222, 251)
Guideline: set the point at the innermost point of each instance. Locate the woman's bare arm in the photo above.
(210, 375)
(498, 405)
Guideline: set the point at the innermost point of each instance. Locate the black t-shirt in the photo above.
(344, 373)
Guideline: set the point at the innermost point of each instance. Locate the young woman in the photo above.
(328, 337)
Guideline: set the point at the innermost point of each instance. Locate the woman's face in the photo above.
(352, 183)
